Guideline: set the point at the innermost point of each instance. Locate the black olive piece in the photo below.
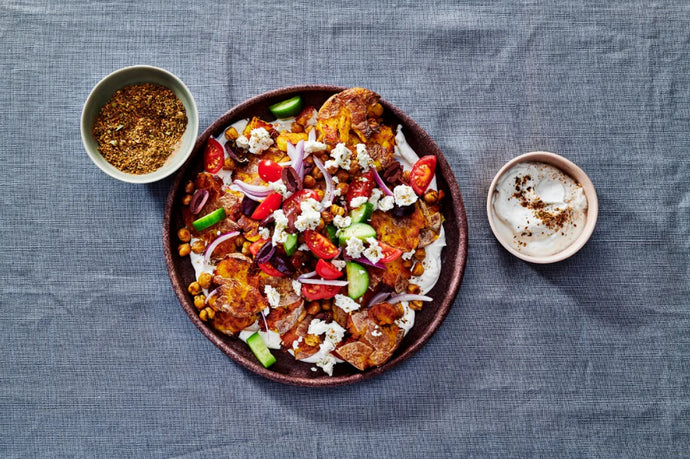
(248, 206)
(403, 211)
(291, 179)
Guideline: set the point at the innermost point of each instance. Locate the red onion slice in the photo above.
(409, 297)
(217, 241)
(378, 298)
(366, 261)
(265, 252)
(213, 292)
(379, 182)
(335, 283)
(329, 195)
(257, 190)
(299, 160)
(306, 276)
(198, 200)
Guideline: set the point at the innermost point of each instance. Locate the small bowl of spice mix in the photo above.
(542, 208)
(139, 124)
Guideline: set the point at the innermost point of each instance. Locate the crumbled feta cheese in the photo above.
(303, 247)
(242, 142)
(333, 332)
(279, 187)
(408, 255)
(375, 332)
(342, 221)
(363, 157)
(295, 343)
(358, 201)
(386, 203)
(327, 362)
(297, 287)
(404, 195)
(354, 247)
(313, 146)
(272, 296)
(373, 252)
(264, 233)
(346, 303)
(341, 157)
(375, 196)
(340, 264)
(335, 179)
(310, 216)
(337, 192)
(259, 140)
(281, 224)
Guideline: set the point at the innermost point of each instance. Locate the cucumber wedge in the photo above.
(362, 213)
(209, 220)
(262, 353)
(290, 244)
(359, 230)
(358, 280)
(287, 108)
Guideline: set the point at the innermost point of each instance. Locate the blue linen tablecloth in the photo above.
(588, 357)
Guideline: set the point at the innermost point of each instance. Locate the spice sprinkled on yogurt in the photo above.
(538, 209)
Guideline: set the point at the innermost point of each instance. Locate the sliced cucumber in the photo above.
(262, 353)
(359, 230)
(362, 213)
(357, 278)
(290, 244)
(209, 220)
(331, 231)
(287, 108)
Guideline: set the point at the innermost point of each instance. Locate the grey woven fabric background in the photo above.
(588, 357)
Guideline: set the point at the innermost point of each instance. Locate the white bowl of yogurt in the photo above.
(542, 208)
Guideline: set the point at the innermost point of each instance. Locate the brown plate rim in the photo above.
(321, 380)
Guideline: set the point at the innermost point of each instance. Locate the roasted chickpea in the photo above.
(210, 313)
(343, 187)
(229, 164)
(441, 194)
(337, 210)
(319, 193)
(326, 305)
(245, 248)
(314, 307)
(316, 173)
(184, 235)
(203, 314)
(296, 127)
(327, 216)
(407, 263)
(420, 254)
(309, 181)
(205, 280)
(186, 199)
(413, 289)
(418, 269)
(231, 133)
(416, 305)
(189, 187)
(342, 176)
(431, 196)
(212, 300)
(199, 302)
(183, 250)
(194, 288)
(321, 224)
(198, 246)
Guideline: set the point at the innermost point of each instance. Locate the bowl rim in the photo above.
(167, 169)
(456, 274)
(568, 167)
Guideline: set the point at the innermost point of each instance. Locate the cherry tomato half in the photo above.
(267, 206)
(389, 253)
(313, 292)
(320, 245)
(270, 171)
(254, 248)
(422, 173)
(327, 270)
(361, 186)
(270, 270)
(214, 156)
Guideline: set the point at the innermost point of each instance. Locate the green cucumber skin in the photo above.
(201, 223)
(287, 108)
(358, 280)
(290, 244)
(362, 213)
(261, 352)
(361, 231)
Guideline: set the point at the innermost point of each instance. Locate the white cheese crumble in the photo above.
(363, 157)
(279, 187)
(341, 157)
(272, 296)
(295, 343)
(342, 221)
(242, 142)
(313, 146)
(259, 140)
(375, 196)
(340, 264)
(386, 203)
(354, 247)
(310, 216)
(358, 201)
(373, 252)
(408, 255)
(264, 233)
(346, 303)
(404, 195)
(303, 247)
(333, 332)
(281, 224)
(297, 287)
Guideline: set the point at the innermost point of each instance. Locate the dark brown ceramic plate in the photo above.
(287, 369)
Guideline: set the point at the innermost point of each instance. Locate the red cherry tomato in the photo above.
(320, 245)
(422, 173)
(361, 186)
(291, 206)
(327, 270)
(270, 270)
(267, 206)
(313, 292)
(270, 171)
(389, 253)
(214, 156)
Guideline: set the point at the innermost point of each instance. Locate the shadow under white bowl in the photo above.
(568, 168)
(104, 90)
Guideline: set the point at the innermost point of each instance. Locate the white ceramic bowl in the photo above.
(569, 168)
(104, 90)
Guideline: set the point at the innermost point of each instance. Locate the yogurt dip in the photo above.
(538, 210)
